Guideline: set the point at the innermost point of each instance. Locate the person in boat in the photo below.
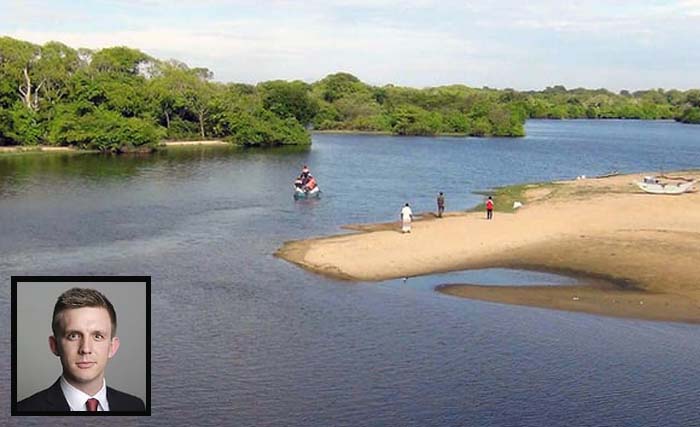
(298, 183)
(304, 175)
(305, 172)
(310, 183)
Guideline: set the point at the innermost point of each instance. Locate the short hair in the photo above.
(79, 298)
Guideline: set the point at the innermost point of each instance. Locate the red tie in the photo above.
(92, 405)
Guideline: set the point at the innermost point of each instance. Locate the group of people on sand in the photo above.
(406, 215)
(305, 181)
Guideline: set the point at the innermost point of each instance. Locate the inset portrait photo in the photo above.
(81, 345)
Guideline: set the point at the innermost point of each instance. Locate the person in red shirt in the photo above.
(489, 208)
(310, 184)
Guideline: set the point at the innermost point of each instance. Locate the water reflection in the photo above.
(487, 276)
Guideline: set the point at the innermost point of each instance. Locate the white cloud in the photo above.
(416, 42)
(690, 7)
(296, 48)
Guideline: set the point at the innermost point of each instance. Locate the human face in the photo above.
(84, 344)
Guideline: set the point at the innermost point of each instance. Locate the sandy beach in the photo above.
(635, 254)
(52, 149)
(34, 148)
(190, 143)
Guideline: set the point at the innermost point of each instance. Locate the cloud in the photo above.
(300, 44)
(416, 42)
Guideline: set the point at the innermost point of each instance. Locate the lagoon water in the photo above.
(242, 338)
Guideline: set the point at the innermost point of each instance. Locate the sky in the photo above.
(524, 45)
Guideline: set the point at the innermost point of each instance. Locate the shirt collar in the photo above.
(76, 398)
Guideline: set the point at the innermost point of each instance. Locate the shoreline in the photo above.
(23, 149)
(388, 133)
(191, 143)
(13, 149)
(634, 260)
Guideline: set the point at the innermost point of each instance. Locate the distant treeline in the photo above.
(120, 99)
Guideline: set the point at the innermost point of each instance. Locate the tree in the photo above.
(690, 115)
(327, 117)
(289, 99)
(457, 122)
(693, 97)
(198, 93)
(166, 89)
(119, 60)
(20, 126)
(264, 128)
(355, 105)
(179, 89)
(335, 86)
(412, 120)
(505, 122)
(17, 63)
(55, 67)
(102, 130)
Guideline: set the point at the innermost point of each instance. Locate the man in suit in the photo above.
(84, 338)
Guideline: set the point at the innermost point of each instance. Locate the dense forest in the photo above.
(121, 99)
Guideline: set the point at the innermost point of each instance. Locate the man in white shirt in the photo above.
(406, 218)
(84, 338)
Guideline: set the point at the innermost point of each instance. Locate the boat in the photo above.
(300, 193)
(306, 187)
(654, 186)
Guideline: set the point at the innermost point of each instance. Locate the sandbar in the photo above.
(636, 255)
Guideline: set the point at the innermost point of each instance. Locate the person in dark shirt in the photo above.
(440, 204)
(84, 338)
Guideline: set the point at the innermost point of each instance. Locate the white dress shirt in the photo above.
(76, 398)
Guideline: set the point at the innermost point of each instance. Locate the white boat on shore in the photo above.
(654, 186)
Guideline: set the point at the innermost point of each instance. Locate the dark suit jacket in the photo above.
(52, 400)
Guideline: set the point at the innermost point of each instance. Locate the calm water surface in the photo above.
(242, 338)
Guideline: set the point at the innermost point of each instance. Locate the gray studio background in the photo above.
(38, 368)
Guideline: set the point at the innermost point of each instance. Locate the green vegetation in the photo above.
(558, 103)
(691, 113)
(345, 103)
(120, 99)
(503, 197)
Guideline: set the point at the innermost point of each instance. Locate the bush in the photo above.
(20, 125)
(481, 127)
(103, 130)
(326, 117)
(456, 122)
(690, 115)
(181, 129)
(505, 122)
(412, 120)
(376, 123)
(263, 128)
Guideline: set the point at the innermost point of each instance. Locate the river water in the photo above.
(242, 338)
